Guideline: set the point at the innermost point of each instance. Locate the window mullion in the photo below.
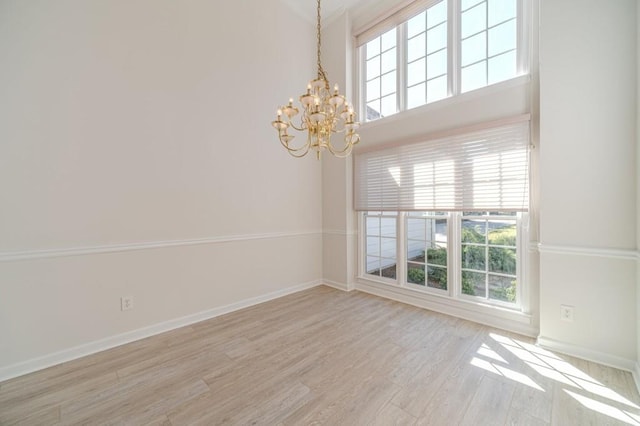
(401, 250)
(454, 261)
(401, 67)
(453, 47)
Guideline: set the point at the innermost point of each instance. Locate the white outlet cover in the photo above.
(126, 303)
(566, 313)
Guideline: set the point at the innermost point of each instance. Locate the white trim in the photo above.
(588, 354)
(505, 319)
(589, 251)
(338, 286)
(70, 354)
(113, 248)
(339, 232)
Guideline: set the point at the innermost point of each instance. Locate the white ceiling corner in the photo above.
(330, 9)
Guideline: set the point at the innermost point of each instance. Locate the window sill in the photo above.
(482, 92)
(494, 316)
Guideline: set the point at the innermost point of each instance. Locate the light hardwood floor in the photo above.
(323, 356)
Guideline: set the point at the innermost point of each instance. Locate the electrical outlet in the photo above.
(566, 313)
(126, 303)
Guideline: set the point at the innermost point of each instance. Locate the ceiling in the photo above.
(332, 8)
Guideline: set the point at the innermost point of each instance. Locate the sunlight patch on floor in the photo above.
(551, 366)
(603, 408)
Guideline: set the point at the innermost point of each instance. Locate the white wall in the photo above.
(587, 198)
(339, 238)
(146, 122)
(637, 369)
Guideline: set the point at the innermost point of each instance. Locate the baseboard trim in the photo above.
(339, 286)
(80, 351)
(636, 376)
(510, 321)
(114, 248)
(590, 355)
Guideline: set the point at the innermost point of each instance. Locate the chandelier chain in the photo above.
(321, 73)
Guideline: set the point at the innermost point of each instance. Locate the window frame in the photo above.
(454, 60)
(454, 261)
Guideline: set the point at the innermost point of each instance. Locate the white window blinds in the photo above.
(483, 170)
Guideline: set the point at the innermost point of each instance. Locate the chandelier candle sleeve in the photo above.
(321, 117)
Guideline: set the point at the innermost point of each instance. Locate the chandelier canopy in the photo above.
(324, 113)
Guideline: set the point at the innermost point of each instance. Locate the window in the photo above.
(381, 244)
(435, 49)
(466, 255)
(427, 237)
(489, 255)
(447, 215)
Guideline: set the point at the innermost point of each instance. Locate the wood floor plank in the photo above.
(490, 403)
(323, 356)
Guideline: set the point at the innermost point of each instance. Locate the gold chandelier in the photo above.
(324, 113)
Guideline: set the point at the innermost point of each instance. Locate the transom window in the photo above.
(440, 48)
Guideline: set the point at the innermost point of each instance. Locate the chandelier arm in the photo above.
(300, 129)
(294, 154)
(342, 153)
(291, 149)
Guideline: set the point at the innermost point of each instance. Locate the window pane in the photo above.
(415, 273)
(388, 227)
(373, 67)
(416, 25)
(416, 48)
(416, 72)
(373, 48)
(373, 265)
(437, 64)
(501, 10)
(441, 231)
(473, 257)
(474, 231)
(416, 229)
(502, 260)
(388, 269)
(502, 67)
(373, 110)
(415, 250)
(473, 284)
(437, 89)
(437, 277)
(373, 89)
(474, 20)
(466, 4)
(437, 256)
(415, 96)
(388, 248)
(437, 38)
(373, 226)
(373, 246)
(388, 61)
(388, 83)
(502, 288)
(437, 14)
(388, 40)
(502, 233)
(502, 38)
(474, 76)
(388, 105)
(474, 49)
